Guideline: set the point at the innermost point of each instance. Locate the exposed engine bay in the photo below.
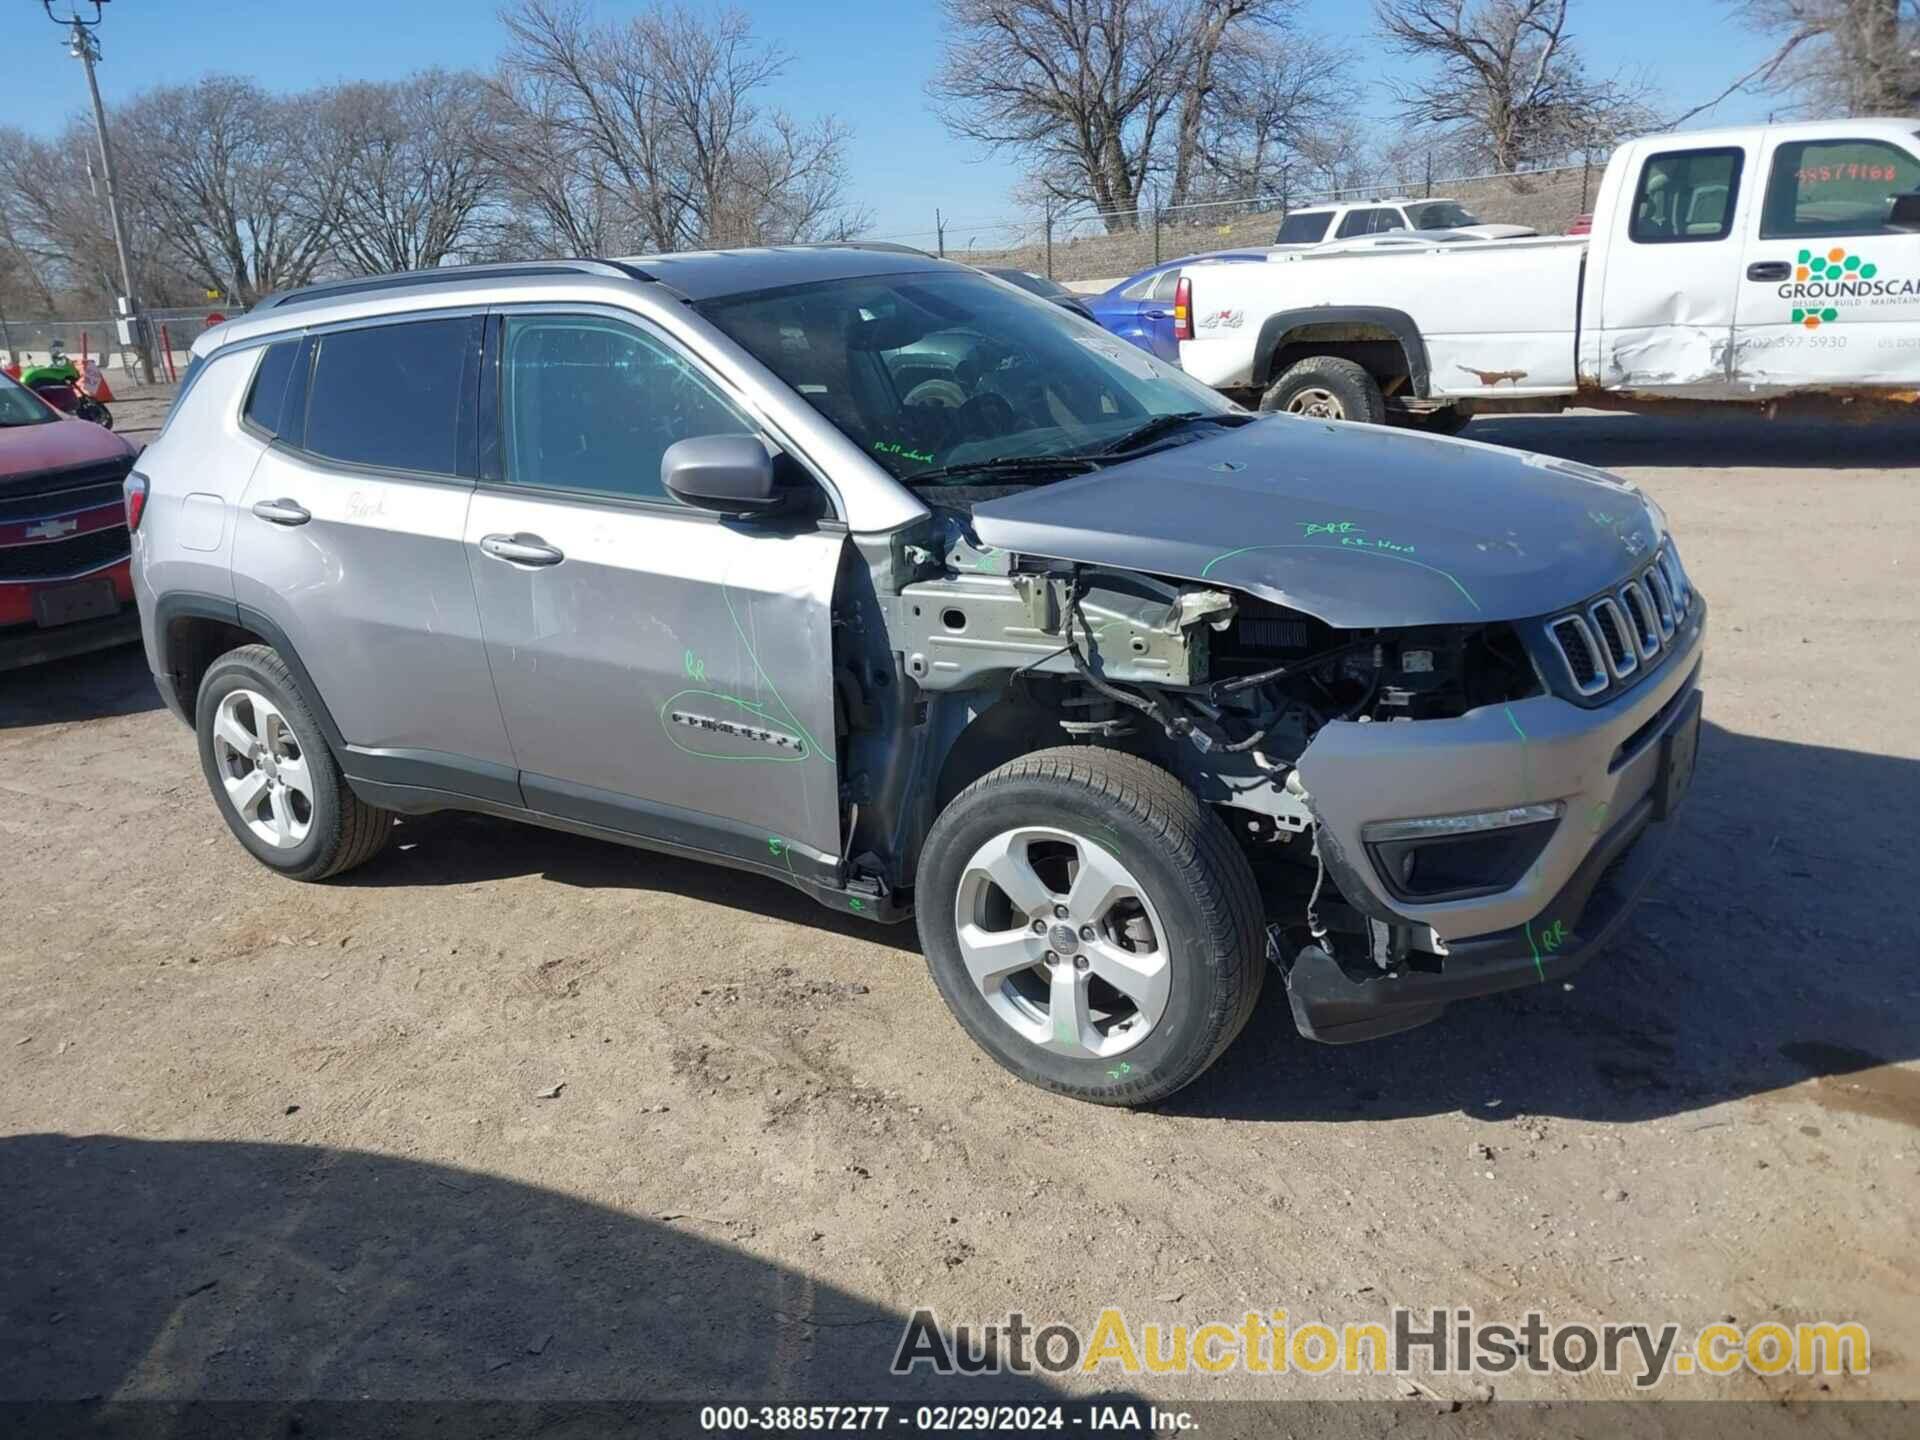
(1229, 688)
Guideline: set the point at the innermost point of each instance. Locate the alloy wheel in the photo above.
(1063, 942)
(263, 768)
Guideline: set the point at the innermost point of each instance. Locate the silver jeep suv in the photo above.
(878, 576)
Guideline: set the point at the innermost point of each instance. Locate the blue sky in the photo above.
(865, 60)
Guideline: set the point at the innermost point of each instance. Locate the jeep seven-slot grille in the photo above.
(1611, 638)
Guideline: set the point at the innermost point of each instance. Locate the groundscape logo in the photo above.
(1820, 279)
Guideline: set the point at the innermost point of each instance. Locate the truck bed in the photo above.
(1498, 316)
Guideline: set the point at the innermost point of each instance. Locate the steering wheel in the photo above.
(986, 416)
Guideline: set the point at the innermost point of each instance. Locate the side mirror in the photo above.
(1903, 211)
(730, 474)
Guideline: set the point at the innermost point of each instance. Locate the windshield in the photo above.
(1304, 229)
(940, 370)
(20, 406)
(1439, 215)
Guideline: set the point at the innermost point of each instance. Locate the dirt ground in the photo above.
(267, 1140)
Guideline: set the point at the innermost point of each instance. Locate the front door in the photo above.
(662, 671)
(1831, 294)
(1673, 270)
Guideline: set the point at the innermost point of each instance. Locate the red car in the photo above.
(64, 546)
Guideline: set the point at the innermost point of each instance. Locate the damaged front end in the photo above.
(1380, 779)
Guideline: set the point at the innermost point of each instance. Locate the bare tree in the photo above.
(1846, 57)
(57, 219)
(1101, 98)
(214, 171)
(661, 132)
(1507, 86)
(556, 196)
(416, 172)
(1279, 116)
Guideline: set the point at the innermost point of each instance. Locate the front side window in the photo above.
(1308, 229)
(1835, 187)
(389, 395)
(1686, 195)
(938, 369)
(1358, 222)
(591, 405)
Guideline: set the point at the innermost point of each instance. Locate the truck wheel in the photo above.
(272, 775)
(1327, 387)
(1091, 924)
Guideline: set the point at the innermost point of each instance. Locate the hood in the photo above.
(1495, 232)
(1359, 525)
(29, 449)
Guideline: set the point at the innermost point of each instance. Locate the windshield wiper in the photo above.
(1007, 465)
(1166, 425)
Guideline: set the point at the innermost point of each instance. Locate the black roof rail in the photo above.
(406, 279)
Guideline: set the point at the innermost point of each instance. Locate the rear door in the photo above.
(1673, 270)
(350, 538)
(1831, 294)
(1142, 313)
(1156, 318)
(662, 671)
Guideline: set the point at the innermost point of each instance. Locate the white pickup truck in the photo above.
(1773, 265)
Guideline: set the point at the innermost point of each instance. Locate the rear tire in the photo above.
(273, 777)
(1327, 387)
(1168, 909)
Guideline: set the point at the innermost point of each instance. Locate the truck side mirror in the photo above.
(1903, 211)
(730, 474)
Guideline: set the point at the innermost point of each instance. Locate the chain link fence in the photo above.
(1088, 246)
(31, 339)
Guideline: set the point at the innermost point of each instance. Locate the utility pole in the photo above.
(84, 46)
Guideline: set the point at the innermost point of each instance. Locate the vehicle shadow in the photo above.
(196, 1270)
(99, 686)
(1773, 951)
(454, 848)
(1714, 442)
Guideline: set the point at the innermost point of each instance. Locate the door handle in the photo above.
(283, 511)
(522, 549)
(1769, 270)
(1156, 314)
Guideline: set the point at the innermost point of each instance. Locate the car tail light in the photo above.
(1183, 309)
(136, 491)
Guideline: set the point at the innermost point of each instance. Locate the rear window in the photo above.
(1304, 229)
(267, 400)
(389, 395)
(1835, 187)
(1686, 196)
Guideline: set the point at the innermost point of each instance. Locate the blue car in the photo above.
(1140, 308)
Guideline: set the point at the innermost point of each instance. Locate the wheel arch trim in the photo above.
(1278, 326)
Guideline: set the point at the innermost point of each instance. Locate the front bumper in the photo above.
(31, 645)
(1606, 765)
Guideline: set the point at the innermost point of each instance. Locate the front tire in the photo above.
(272, 776)
(1326, 387)
(1137, 892)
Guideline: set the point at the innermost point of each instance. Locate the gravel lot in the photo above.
(267, 1140)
